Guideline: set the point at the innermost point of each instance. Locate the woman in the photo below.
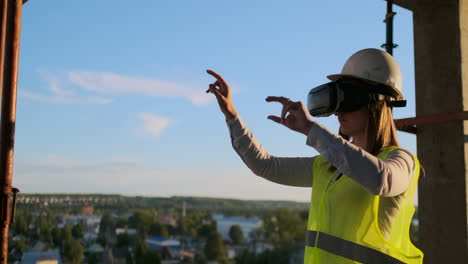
(362, 183)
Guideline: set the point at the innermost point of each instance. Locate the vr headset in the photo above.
(334, 97)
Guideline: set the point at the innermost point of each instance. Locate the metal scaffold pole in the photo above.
(10, 18)
(389, 45)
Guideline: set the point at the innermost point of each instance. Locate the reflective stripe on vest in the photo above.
(348, 249)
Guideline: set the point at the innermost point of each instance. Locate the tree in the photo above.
(21, 245)
(126, 240)
(205, 230)
(77, 231)
(121, 222)
(214, 248)
(73, 251)
(141, 220)
(236, 235)
(45, 226)
(144, 255)
(200, 258)
(66, 234)
(157, 229)
(56, 234)
(284, 227)
(106, 229)
(20, 225)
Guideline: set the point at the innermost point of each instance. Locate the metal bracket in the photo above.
(15, 191)
(388, 16)
(385, 45)
(5, 199)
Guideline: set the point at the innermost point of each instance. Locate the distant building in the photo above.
(46, 257)
(169, 248)
(168, 220)
(130, 231)
(39, 247)
(247, 225)
(157, 243)
(87, 209)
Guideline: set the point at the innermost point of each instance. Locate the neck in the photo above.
(360, 141)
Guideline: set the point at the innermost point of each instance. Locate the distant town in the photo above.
(96, 228)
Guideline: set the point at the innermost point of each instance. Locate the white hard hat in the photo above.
(374, 66)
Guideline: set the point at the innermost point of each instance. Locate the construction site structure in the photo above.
(441, 55)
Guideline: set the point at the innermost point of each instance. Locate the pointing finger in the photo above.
(276, 119)
(224, 87)
(216, 75)
(279, 99)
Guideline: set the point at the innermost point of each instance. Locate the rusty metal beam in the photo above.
(407, 4)
(10, 18)
(410, 125)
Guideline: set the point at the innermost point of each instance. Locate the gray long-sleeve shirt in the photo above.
(389, 178)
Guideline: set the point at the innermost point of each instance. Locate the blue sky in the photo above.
(112, 93)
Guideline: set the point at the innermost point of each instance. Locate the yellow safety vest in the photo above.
(343, 222)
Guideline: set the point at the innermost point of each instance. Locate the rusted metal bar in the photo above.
(9, 59)
(410, 124)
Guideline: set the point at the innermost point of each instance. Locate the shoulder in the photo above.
(401, 152)
(402, 156)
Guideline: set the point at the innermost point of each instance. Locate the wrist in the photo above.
(307, 128)
(230, 115)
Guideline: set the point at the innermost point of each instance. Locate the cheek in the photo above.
(363, 120)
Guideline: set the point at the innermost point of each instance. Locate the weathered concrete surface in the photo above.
(441, 68)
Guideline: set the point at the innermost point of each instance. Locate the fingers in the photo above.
(213, 86)
(223, 86)
(288, 105)
(279, 99)
(276, 119)
(215, 74)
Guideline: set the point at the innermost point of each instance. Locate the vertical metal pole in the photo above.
(389, 45)
(9, 60)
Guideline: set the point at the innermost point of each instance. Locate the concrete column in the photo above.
(441, 68)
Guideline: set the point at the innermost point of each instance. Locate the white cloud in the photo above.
(104, 84)
(58, 99)
(60, 95)
(154, 124)
(115, 84)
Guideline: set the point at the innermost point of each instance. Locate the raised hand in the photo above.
(293, 115)
(220, 88)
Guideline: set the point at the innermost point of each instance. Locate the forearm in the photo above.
(387, 177)
(287, 171)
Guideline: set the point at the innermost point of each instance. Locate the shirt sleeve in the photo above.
(293, 171)
(389, 177)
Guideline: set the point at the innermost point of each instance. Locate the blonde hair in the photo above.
(381, 129)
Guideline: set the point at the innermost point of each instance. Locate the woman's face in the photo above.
(354, 123)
